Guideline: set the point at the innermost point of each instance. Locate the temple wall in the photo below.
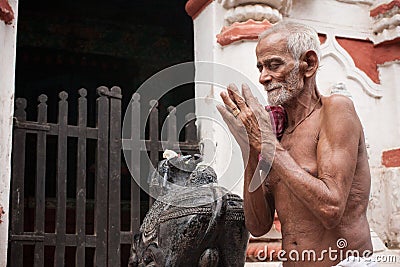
(7, 75)
(384, 208)
(356, 61)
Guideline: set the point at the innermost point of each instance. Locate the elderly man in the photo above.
(318, 177)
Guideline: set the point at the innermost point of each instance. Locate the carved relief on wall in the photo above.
(332, 49)
(234, 3)
(243, 19)
(386, 22)
(246, 19)
(249, 30)
(254, 12)
(243, 10)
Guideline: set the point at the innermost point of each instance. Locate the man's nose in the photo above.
(265, 77)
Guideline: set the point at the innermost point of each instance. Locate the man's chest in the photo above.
(302, 146)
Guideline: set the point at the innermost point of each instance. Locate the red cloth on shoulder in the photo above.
(278, 119)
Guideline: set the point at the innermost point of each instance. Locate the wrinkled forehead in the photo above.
(273, 44)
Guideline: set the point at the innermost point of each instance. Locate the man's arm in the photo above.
(259, 205)
(337, 152)
(249, 127)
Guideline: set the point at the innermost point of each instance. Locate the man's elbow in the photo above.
(331, 217)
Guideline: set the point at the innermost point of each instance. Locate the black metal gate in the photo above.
(61, 217)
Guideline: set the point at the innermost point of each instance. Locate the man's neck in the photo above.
(302, 105)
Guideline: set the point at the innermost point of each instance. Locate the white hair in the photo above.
(300, 38)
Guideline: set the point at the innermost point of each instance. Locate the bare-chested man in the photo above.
(319, 180)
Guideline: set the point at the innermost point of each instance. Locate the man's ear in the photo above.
(309, 63)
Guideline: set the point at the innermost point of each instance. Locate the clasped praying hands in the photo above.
(248, 121)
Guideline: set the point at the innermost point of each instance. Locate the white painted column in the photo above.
(220, 149)
(219, 18)
(8, 35)
(384, 205)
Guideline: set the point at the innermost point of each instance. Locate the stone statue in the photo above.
(193, 222)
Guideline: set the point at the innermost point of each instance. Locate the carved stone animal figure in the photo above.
(193, 222)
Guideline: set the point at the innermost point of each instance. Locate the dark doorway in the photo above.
(67, 45)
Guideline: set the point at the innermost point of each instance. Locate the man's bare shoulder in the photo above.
(335, 103)
(339, 115)
(338, 107)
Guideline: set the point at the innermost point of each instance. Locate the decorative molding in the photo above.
(248, 30)
(387, 36)
(277, 4)
(389, 13)
(383, 8)
(194, 7)
(386, 23)
(255, 12)
(331, 48)
(258, 10)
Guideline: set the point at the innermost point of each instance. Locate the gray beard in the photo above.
(285, 91)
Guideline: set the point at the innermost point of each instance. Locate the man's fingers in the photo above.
(237, 98)
(230, 105)
(236, 126)
(229, 119)
(226, 115)
(248, 95)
